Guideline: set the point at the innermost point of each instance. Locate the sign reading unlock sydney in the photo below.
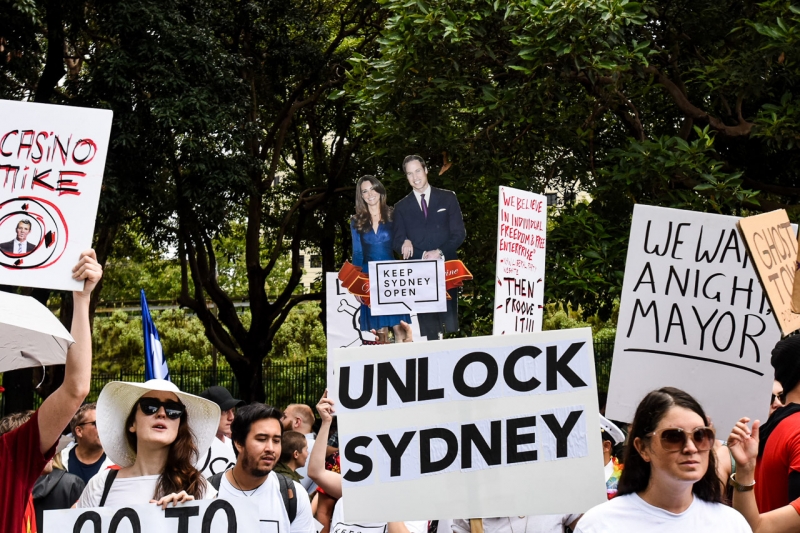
(51, 170)
(448, 428)
(401, 287)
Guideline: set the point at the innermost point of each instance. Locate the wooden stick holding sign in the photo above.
(476, 525)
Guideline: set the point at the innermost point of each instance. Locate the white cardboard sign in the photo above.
(692, 316)
(204, 516)
(449, 428)
(521, 240)
(51, 169)
(342, 313)
(400, 287)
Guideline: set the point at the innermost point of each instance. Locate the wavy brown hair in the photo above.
(636, 472)
(179, 471)
(362, 219)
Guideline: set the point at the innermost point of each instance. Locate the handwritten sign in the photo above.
(449, 428)
(51, 169)
(521, 239)
(773, 249)
(400, 287)
(692, 316)
(205, 516)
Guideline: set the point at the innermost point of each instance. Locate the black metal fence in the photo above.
(286, 382)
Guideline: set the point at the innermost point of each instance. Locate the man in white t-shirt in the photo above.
(299, 417)
(220, 457)
(256, 433)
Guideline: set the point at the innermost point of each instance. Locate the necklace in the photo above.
(525, 530)
(239, 486)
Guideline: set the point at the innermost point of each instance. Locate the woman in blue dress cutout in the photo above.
(371, 228)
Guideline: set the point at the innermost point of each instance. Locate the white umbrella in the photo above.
(30, 335)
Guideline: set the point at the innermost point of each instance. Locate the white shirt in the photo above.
(272, 513)
(609, 469)
(551, 523)
(124, 491)
(222, 457)
(631, 514)
(427, 193)
(338, 525)
(307, 482)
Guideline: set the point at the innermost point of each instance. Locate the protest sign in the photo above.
(773, 249)
(204, 516)
(342, 312)
(449, 428)
(521, 238)
(400, 287)
(692, 316)
(51, 168)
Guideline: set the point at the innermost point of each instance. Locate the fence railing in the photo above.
(285, 382)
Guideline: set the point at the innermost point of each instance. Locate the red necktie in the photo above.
(424, 206)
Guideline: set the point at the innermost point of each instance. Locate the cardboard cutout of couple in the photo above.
(425, 225)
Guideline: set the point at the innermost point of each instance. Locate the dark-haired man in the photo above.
(20, 245)
(428, 225)
(220, 457)
(294, 453)
(256, 433)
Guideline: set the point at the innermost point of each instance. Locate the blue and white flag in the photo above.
(155, 366)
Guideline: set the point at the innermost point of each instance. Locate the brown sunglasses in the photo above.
(674, 439)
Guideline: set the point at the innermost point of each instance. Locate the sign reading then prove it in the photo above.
(773, 247)
(401, 287)
(449, 428)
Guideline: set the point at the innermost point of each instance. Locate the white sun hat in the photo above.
(118, 398)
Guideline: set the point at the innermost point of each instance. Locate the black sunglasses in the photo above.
(150, 406)
(94, 423)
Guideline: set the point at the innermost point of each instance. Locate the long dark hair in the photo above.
(636, 473)
(362, 218)
(179, 471)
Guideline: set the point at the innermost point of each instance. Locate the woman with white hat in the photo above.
(153, 431)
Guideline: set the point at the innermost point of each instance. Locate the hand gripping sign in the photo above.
(449, 428)
(206, 516)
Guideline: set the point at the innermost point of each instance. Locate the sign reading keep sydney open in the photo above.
(398, 287)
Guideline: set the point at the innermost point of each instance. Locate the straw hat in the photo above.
(118, 398)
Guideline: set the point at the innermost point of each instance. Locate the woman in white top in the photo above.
(669, 482)
(153, 431)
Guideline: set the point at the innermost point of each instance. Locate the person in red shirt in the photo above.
(777, 472)
(24, 452)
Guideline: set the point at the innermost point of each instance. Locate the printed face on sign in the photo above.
(417, 176)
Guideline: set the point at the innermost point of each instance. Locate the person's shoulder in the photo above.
(601, 517)
(405, 200)
(446, 192)
(721, 512)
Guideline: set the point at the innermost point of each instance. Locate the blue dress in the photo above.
(372, 246)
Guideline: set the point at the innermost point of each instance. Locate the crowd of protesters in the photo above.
(153, 443)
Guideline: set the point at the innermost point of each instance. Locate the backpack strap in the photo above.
(288, 495)
(112, 475)
(215, 480)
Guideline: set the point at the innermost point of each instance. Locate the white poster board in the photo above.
(451, 428)
(51, 169)
(401, 287)
(343, 312)
(521, 240)
(692, 316)
(204, 516)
